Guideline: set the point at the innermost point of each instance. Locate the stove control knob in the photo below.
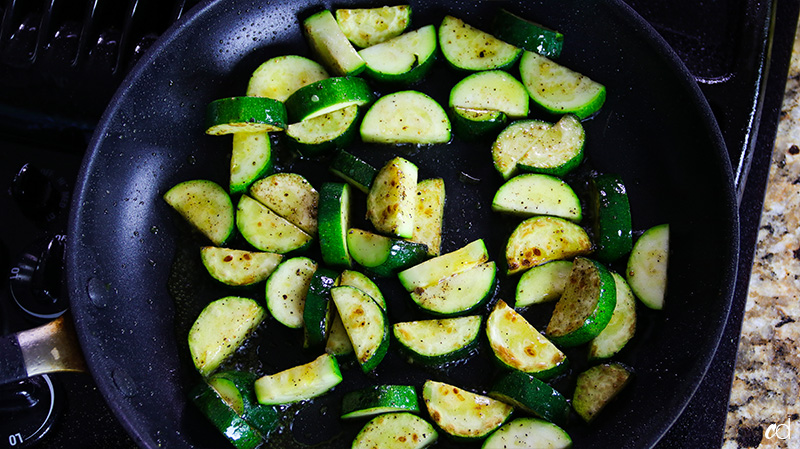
(37, 280)
(37, 195)
(28, 409)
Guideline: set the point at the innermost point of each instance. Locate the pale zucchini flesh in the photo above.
(396, 431)
(363, 283)
(206, 206)
(558, 150)
(468, 48)
(281, 76)
(405, 58)
(528, 433)
(494, 90)
(543, 283)
(266, 230)
(541, 239)
(251, 159)
(392, 199)
(291, 196)
(286, 290)
(458, 293)
(596, 387)
(462, 413)
(433, 270)
(331, 45)
(442, 340)
(514, 142)
(406, 117)
(238, 267)
(622, 326)
(429, 217)
(538, 194)
(647, 266)
(365, 27)
(300, 382)
(366, 324)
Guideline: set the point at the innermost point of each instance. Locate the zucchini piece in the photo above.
(647, 266)
(559, 90)
(206, 206)
(622, 326)
(338, 342)
(236, 389)
(531, 395)
(300, 382)
(287, 288)
(404, 59)
(324, 133)
(597, 386)
(235, 429)
(291, 196)
(317, 308)
(542, 283)
(459, 293)
(238, 267)
(518, 345)
(363, 283)
(383, 256)
(559, 149)
(331, 46)
(355, 171)
(537, 194)
(396, 431)
(432, 271)
(429, 216)
(494, 90)
(527, 35)
(366, 325)
(541, 239)
(251, 159)
(476, 123)
(611, 217)
(514, 142)
(220, 329)
(406, 117)
(281, 76)
(468, 48)
(378, 399)
(434, 342)
(245, 114)
(266, 230)
(586, 306)
(392, 199)
(365, 27)
(327, 95)
(461, 413)
(528, 433)
(334, 220)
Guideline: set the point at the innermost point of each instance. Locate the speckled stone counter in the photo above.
(764, 410)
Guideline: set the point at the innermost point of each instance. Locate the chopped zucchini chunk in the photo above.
(241, 434)
(477, 123)
(406, 117)
(434, 342)
(430, 214)
(334, 220)
(357, 172)
(281, 76)
(287, 288)
(468, 48)
(558, 150)
(363, 283)
(266, 230)
(245, 115)
(238, 267)
(527, 34)
(514, 142)
(597, 386)
(327, 95)
(236, 389)
(404, 59)
(383, 256)
(317, 308)
(206, 206)
(324, 133)
(366, 324)
(541, 239)
(622, 326)
(537, 194)
(251, 159)
(396, 431)
(392, 200)
(291, 196)
(528, 433)
(531, 395)
(611, 217)
(300, 382)
(461, 413)
(377, 399)
(459, 293)
(494, 90)
(647, 266)
(365, 27)
(543, 283)
(331, 46)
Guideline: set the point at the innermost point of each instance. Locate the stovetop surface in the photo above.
(725, 44)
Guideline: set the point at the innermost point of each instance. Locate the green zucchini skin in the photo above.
(317, 308)
(611, 217)
(334, 222)
(527, 35)
(404, 59)
(357, 172)
(621, 328)
(366, 324)
(383, 256)
(263, 418)
(235, 429)
(245, 114)
(377, 399)
(531, 395)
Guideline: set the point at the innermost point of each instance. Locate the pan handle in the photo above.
(45, 349)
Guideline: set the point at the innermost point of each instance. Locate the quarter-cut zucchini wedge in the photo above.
(245, 115)
(528, 433)
(432, 271)
(235, 429)
(531, 395)
(527, 35)
(559, 90)
(338, 343)
(334, 220)
(518, 345)
(236, 389)
(377, 399)
(558, 151)
(541, 239)
(327, 95)
(597, 386)
(543, 283)
(300, 382)
(647, 266)
(287, 288)
(357, 172)
(459, 293)
(396, 431)
(495, 90)
(324, 133)
(392, 199)
(238, 267)
(220, 329)
(403, 59)
(365, 27)
(538, 194)
(622, 326)
(266, 230)
(251, 159)
(383, 256)
(430, 214)
(406, 117)
(206, 206)
(366, 325)
(476, 123)
(281, 76)
(468, 48)
(461, 413)
(317, 308)
(363, 283)
(611, 217)
(331, 46)
(291, 196)
(514, 142)
(433, 342)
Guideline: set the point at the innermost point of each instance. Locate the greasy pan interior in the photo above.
(126, 245)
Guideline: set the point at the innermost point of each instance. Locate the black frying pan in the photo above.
(133, 278)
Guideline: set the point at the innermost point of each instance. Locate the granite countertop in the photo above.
(764, 409)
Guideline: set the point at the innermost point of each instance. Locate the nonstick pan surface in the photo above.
(136, 285)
